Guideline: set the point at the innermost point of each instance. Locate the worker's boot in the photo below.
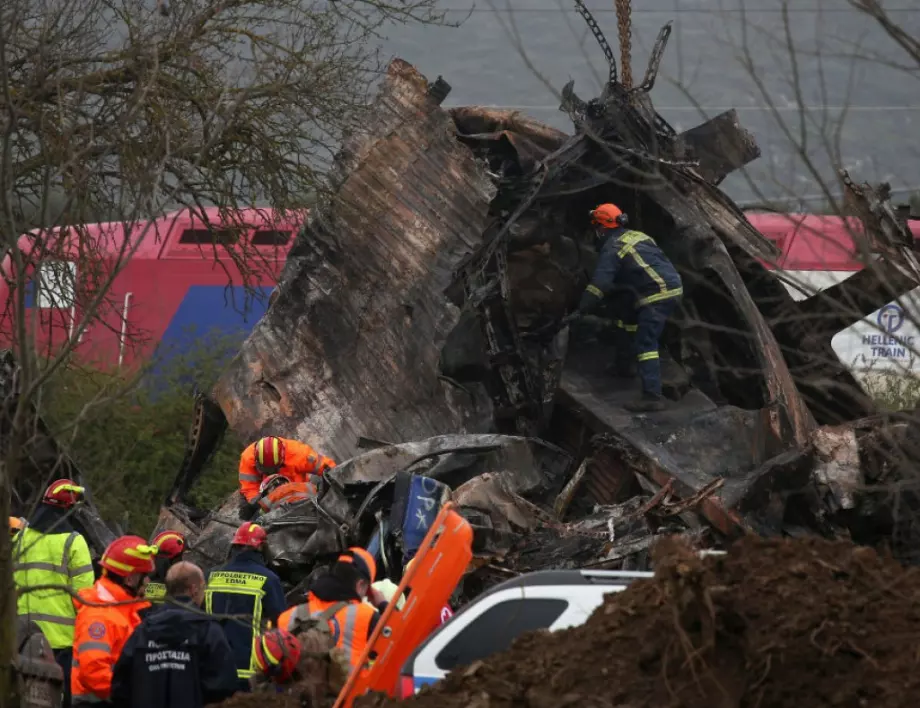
(649, 403)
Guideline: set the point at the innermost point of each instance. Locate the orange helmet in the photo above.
(273, 481)
(249, 534)
(127, 555)
(607, 215)
(269, 454)
(363, 562)
(277, 654)
(170, 544)
(64, 493)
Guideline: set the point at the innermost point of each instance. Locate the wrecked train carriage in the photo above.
(380, 499)
(370, 315)
(488, 254)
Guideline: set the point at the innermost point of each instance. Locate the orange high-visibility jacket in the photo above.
(300, 461)
(289, 493)
(350, 626)
(99, 635)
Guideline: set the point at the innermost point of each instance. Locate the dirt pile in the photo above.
(774, 623)
(298, 695)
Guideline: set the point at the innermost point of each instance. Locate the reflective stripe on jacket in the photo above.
(300, 461)
(633, 260)
(244, 587)
(351, 626)
(51, 559)
(99, 635)
(290, 493)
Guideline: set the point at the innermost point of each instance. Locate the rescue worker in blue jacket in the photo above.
(178, 657)
(648, 290)
(245, 586)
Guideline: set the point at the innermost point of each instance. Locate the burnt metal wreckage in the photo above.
(416, 336)
(420, 314)
(432, 332)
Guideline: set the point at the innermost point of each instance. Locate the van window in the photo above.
(495, 629)
(271, 238)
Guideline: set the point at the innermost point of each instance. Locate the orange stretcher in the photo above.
(439, 564)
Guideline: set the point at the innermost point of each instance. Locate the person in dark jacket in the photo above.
(648, 292)
(178, 657)
(245, 587)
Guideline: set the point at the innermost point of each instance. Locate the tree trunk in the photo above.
(9, 688)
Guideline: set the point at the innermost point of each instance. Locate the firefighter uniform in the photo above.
(99, 636)
(648, 290)
(354, 622)
(290, 493)
(155, 592)
(170, 547)
(351, 626)
(244, 586)
(298, 462)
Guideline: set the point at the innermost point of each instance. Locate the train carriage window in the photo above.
(207, 237)
(56, 283)
(271, 238)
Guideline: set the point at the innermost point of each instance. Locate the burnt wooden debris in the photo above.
(426, 295)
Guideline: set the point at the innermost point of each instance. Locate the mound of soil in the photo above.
(803, 623)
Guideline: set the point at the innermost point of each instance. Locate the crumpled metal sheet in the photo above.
(352, 343)
(313, 531)
(455, 459)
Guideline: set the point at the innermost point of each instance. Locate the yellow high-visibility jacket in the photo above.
(51, 559)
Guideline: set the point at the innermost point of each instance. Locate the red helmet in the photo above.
(64, 493)
(127, 555)
(273, 481)
(363, 562)
(249, 535)
(277, 654)
(269, 454)
(607, 215)
(170, 544)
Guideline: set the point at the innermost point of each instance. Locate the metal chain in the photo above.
(599, 36)
(624, 20)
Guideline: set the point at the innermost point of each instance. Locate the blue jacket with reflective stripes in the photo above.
(632, 260)
(263, 603)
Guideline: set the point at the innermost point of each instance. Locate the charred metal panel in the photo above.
(351, 345)
(721, 145)
(690, 446)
